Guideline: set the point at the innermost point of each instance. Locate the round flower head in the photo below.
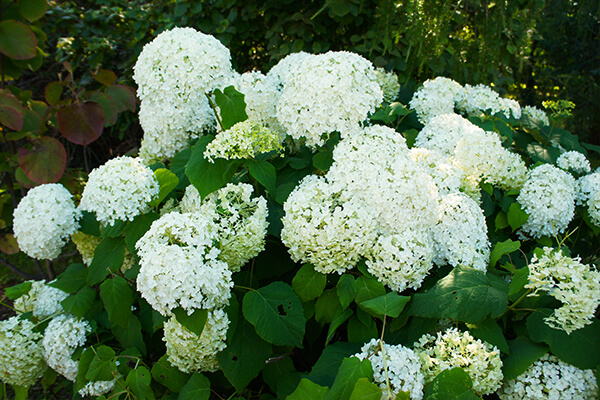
(49, 206)
(328, 92)
(453, 348)
(574, 161)
(190, 352)
(261, 94)
(21, 356)
(287, 67)
(588, 193)
(532, 116)
(324, 227)
(436, 97)
(550, 378)
(396, 364)
(447, 177)
(62, 337)
(548, 197)
(460, 235)
(240, 220)
(388, 82)
(481, 98)
(443, 132)
(574, 284)
(42, 300)
(245, 139)
(119, 190)
(179, 265)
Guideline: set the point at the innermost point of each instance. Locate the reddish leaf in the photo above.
(124, 96)
(81, 123)
(105, 77)
(45, 162)
(11, 118)
(109, 106)
(53, 92)
(7, 99)
(17, 40)
(32, 121)
(23, 179)
(8, 244)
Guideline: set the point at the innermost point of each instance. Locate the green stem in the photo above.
(214, 107)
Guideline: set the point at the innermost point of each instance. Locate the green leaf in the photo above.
(167, 181)
(516, 216)
(16, 291)
(105, 77)
(32, 10)
(88, 224)
(339, 8)
(208, 176)
(464, 294)
(351, 370)
(281, 376)
(114, 230)
(79, 303)
(232, 106)
(138, 380)
(339, 317)
(323, 160)
(137, 228)
(390, 304)
(359, 332)
(326, 306)
(17, 40)
(519, 280)
(365, 390)
(130, 335)
(168, 376)
(84, 364)
(276, 313)
(502, 248)
(308, 283)
(367, 289)
(308, 390)
(102, 365)
(244, 357)
(116, 294)
(21, 392)
(488, 330)
(72, 279)
(123, 95)
(197, 388)
(346, 289)
(326, 367)
(194, 322)
(109, 255)
(581, 348)
(109, 106)
(523, 353)
(452, 383)
(264, 173)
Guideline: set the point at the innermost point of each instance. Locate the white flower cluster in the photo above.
(21, 355)
(436, 97)
(588, 193)
(388, 82)
(240, 220)
(174, 73)
(396, 364)
(287, 66)
(64, 334)
(49, 206)
(548, 196)
(190, 352)
(180, 265)
(574, 284)
(97, 388)
(574, 161)
(119, 190)
(533, 114)
(42, 300)
(550, 378)
(448, 178)
(481, 98)
(245, 139)
(454, 348)
(443, 132)
(261, 94)
(460, 235)
(86, 246)
(328, 92)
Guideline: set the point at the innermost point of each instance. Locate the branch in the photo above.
(19, 272)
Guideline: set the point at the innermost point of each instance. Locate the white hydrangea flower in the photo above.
(481, 98)
(245, 139)
(261, 94)
(388, 82)
(97, 388)
(49, 206)
(241, 220)
(394, 363)
(436, 97)
(574, 284)
(531, 113)
(86, 245)
(190, 352)
(64, 334)
(453, 348)
(443, 132)
(460, 235)
(548, 197)
(287, 66)
(119, 190)
(180, 266)
(328, 92)
(588, 193)
(574, 161)
(448, 178)
(21, 356)
(324, 227)
(42, 300)
(550, 378)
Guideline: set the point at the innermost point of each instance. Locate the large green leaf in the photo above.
(108, 256)
(523, 353)
(488, 330)
(116, 294)
(194, 321)
(350, 371)
(232, 106)
(346, 289)
(464, 294)
(502, 248)
(365, 390)
(277, 314)
(390, 304)
(581, 348)
(123, 95)
(138, 380)
(368, 288)
(325, 369)
(516, 216)
(130, 335)
(17, 40)
(137, 228)
(340, 316)
(167, 181)
(79, 303)
(18, 290)
(72, 279)
(102, 365)
(264, 172)
(32, 10)
(453, 384)
(169, 376)
(308, 390)
(308, 283)
(197, 388)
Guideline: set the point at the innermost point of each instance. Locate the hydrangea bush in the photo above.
(299, 234)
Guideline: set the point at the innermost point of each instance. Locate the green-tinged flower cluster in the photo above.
(21, 354)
